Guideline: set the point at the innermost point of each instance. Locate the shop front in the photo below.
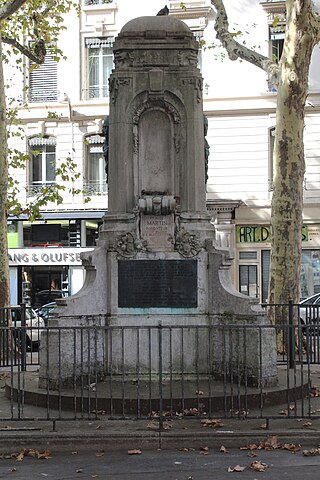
(253, 260)
(41, 275)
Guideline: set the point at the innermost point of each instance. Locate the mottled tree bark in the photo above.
(289, 163)
(291, 79)
(4, 264)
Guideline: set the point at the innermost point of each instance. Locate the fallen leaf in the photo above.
(74, 453)
(191, 412)
(311, 453)
(20, 457)
(237, 468)
(292, 447)
(212, 423)
(100, 453)
(307, 424)
(79, 470)
(264, 426)
(186, 449)
(271, 443)
(252, 446)
(223, 449)
(135, 451)
(199, 392)
(252, 454)
(99, 427)
(153, 425)
(258, 466)
(166, 426)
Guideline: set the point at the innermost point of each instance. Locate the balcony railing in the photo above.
(95, 92)
(43, 96)
(97, 2)
(95, 188)
(35, 188)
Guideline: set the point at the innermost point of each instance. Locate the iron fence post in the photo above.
(23, 335)
(160, 378)
(291, 339)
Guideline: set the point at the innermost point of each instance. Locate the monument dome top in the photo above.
(160, 23)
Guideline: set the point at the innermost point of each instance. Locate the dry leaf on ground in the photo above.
(30, 452)
(252, 454)
(311, 452)
(258, 466)
(186, 449)
(271, 443)
(212, 423)
(100, 453)
(307, 424)
(237, 468)
(292, 447)
(252, 446)
(153, 425)
(135, 451)
(223, 449)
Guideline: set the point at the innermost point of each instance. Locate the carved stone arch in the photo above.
(159, 121)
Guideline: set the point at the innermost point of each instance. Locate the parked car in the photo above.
(46, 311)
(47, 296)
(309, 310)
(34, 322)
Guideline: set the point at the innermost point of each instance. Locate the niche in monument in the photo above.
(155, 152)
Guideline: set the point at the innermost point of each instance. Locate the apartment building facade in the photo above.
(68, 102)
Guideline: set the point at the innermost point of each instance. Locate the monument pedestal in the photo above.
(157, 296)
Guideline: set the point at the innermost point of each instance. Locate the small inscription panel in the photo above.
(157, 283)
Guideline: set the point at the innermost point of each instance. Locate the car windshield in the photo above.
(311, 300)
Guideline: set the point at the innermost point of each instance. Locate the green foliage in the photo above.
(31, 30)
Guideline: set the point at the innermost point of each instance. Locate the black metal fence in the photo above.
(222, 370)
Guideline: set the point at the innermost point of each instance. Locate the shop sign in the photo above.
(45, 256)
(260, 233)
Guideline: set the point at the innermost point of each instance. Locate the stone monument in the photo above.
(156, 258)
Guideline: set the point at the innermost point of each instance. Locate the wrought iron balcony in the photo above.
(95, 188)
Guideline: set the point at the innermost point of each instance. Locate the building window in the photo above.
(248, 280)
(43, 162)
(276, 12)
(271, 137)
(95, 178)
(43, 80)
(99, 66)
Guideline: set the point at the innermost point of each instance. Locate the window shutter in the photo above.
(43, 80)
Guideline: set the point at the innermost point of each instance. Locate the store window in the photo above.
(42, 167)
(309, 277)
(95, 173)
(248, 280)
(99, 66)
(43, 80)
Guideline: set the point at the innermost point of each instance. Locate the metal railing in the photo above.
(160, 372)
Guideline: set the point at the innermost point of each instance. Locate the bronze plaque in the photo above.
(157, 283)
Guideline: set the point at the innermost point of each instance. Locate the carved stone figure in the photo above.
(105, 148)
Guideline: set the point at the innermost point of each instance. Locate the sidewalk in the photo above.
(185, 432)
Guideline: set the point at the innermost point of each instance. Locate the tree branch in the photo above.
(235, 50)
(37, 56)
(10, 7)
(315, 25)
